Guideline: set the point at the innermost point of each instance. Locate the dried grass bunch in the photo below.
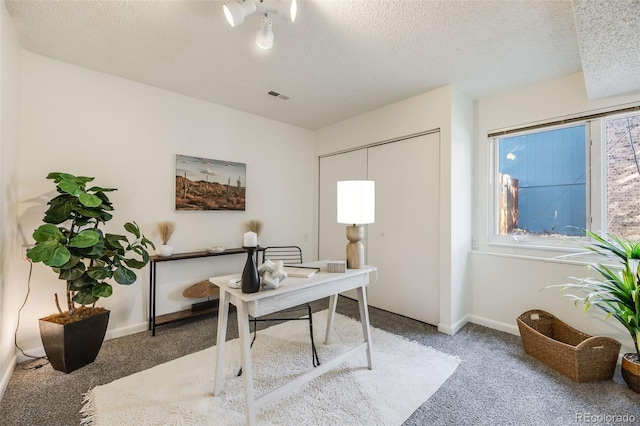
(165, 230)
(255, 226)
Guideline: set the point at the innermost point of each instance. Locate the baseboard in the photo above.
(475, 319)
(38, 351)
(6, 376)
(124, 331)
(453, 329)
(497, 325)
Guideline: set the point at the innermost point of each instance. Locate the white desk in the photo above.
(292, 292)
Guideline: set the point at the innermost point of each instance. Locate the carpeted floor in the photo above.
(495, 384)
(179, 392)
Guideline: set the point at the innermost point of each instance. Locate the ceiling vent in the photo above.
(278, 95)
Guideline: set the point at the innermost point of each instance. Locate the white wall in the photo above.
(428, 111)
(449, 111)
(9, 139)
(462, 137)
(126, 135)
(507, 281)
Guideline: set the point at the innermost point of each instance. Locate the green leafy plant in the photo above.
(615, 292)
(71, 243)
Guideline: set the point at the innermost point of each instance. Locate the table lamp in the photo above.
(356, 207)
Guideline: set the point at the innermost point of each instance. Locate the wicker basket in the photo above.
(577, 355)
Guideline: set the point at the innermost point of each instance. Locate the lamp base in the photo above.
(355, 248)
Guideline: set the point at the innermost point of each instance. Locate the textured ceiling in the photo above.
(339, 59)
(609, 37)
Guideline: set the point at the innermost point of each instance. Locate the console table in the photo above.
(154, 320)
(292, 292)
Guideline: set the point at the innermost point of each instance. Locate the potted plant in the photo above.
(165, 230)
(615, 292)
(72, 245)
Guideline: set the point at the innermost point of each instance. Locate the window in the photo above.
(542, 186)
(552, 182)
(623, 175)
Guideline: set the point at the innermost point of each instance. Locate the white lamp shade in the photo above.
(356, 202)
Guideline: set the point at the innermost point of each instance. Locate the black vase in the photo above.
(250, 277)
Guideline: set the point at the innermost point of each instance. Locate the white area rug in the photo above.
(405, 374)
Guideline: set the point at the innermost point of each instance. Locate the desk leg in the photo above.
(223, 315)
(333, 301)
(247, 369)
(364, 319)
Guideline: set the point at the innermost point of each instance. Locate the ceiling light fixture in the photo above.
(235, 11)
(264, 37)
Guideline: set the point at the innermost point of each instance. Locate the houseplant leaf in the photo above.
(72, 273)
(60, 209)
(102, 290)
(59, 257)
(85, 297)
(70, 187)
(124, 275)
(113, 241)
(50, 252)
(43, 251)
(47, 232)
(91, 252)
(73, 261)
(133, 228)
(99, 274)
(78, 284)
(88, 212)
(100, 191)
(84, 239)
(89, 200)
(134, 263)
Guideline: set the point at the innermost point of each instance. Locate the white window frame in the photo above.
(539, 242)
(598, 179)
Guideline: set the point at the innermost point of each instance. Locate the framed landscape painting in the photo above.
(206, 184)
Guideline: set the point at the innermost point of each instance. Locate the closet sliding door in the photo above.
(404, 242)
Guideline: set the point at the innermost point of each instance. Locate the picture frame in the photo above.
(204, 184)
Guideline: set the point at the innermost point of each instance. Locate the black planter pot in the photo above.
(74, 345)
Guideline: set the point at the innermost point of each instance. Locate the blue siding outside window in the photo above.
(550, 169)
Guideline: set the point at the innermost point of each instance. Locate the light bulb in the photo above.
(228, 15)
(264, 37)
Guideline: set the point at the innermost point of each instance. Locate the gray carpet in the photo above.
(495, 384)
